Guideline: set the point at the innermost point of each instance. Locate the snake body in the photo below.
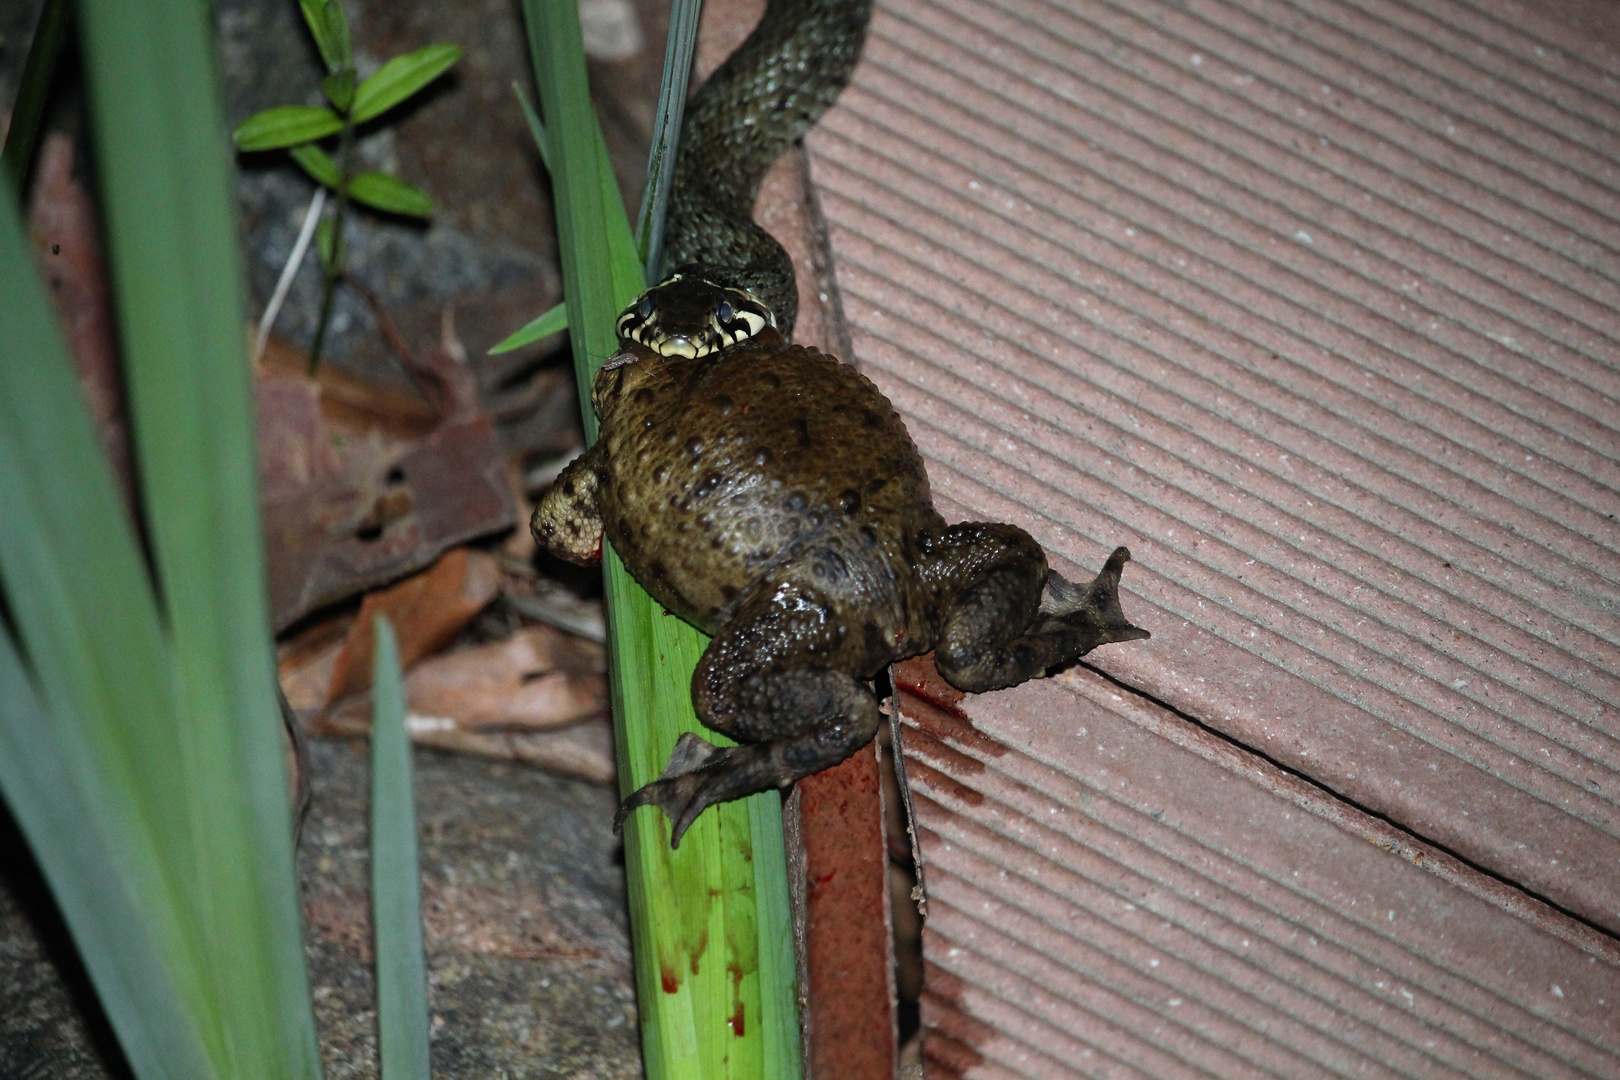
(758, 103)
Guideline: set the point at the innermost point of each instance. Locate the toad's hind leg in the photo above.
(1013, 619)
(765, 681)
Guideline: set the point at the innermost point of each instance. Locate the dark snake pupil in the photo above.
(725, 312)
(644, 308)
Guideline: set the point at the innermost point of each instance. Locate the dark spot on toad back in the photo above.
(850, 500)
(644, 395)
(722, 402)
(706, 485)
(801, 432)
(694, 446)
(771, 380)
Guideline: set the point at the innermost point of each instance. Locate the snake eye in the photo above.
(724, 312)
(645, 308)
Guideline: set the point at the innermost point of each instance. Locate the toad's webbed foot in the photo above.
(678, 787)
(1014, 619)
(1092, 609)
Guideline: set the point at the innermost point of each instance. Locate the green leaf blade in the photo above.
(77, 592)
(536, 128)
(65, 828)
(390, 194)
(402, 77)
(396, 880)
(678, 48)
(554, 321)
(171, 232)
(285, 125)
(717, 1000)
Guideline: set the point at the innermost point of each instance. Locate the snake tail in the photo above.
(758, 103)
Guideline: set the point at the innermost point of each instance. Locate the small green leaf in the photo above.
(318, 163)
(401, 77)
(384, 192)
(286, 125)
(339, 88)
(330, 28)
(552, 322)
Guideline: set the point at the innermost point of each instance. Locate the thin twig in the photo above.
(312, 218)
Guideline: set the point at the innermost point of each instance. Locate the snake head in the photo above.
(688, 315)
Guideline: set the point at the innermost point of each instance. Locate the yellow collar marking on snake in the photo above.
(688, 315)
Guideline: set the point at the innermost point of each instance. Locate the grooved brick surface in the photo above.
(1313, 305)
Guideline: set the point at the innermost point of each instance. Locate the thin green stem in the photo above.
(36, 81)
(334, 267)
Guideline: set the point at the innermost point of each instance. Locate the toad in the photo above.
(770, 495)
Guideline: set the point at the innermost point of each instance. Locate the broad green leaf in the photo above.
(286, 125)
(65, 828)
(171, 236)
(554, 321)
(401, 77)
(383, 192)
(709, 921)
(396, 878)
(339, 89)
(318, 163)
(330, 29)
(77, 593)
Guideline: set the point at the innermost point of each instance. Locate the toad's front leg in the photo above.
(770, 679)
(568, 521)
(1011, 618)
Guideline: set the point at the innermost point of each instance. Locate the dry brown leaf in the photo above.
(427, 610)
(346, 509)
(531, 681)
(584, 750)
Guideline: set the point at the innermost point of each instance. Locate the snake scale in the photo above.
(758, 103)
